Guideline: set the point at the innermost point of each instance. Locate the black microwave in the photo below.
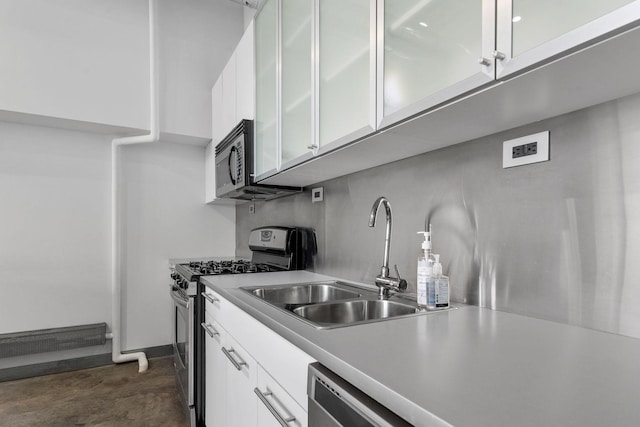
(234, 168)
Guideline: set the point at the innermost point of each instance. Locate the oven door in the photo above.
(230, 167)
(182, 337)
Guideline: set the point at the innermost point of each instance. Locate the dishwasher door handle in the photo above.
(284, 422)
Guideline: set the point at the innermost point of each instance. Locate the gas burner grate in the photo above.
(209, 268)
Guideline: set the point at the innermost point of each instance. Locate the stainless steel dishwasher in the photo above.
(335, 402)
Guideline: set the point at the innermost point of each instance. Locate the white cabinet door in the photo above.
(431, 52)
(229, 95)
(217, 108)
(275, 404)
(245, 93)
(215, 374)
(533, 31)
(242, 378)
(266, 127)
(346, 71)
(296, 136)
(210, 173)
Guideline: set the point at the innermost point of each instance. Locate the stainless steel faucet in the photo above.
(385, 282)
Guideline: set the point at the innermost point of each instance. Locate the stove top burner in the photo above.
(209, 268)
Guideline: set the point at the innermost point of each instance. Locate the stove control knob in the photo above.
(184, 284)
(174, 275)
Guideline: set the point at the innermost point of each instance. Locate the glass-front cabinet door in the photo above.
(297, 100)
(431, 52)
(346, 82)
(266, 129)
(532, 31)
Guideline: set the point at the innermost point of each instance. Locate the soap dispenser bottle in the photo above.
(438, 288)
(425, 268)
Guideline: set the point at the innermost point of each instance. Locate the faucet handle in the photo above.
(402, 284)
(395, 267)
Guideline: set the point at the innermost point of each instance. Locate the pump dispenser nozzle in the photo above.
(426, 245)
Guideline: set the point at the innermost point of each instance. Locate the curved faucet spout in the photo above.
(387, 241)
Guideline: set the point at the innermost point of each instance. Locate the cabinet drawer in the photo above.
(285, 362)
(212, 328)
(275, 402)
(213, 303)
(241, 380)
(215, 374)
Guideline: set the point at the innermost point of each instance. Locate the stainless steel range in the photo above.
(273, 249)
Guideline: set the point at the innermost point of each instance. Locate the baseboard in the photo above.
(67, 365)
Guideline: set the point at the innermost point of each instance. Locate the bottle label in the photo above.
(431, 292)
(442, 292)
(422, 286)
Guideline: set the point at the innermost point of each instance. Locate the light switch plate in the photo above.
(526, 150)
(317, 194)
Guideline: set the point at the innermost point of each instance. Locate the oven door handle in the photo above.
(179, 300)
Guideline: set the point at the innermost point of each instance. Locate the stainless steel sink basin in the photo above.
(293, 296)
(334, 304)
(346, 312)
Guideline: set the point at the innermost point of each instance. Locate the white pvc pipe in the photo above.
(153, 136)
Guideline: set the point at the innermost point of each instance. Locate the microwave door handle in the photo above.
(233, 179)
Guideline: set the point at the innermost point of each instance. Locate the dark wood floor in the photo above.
(114, 395)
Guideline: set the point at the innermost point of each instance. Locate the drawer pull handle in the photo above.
(210, 329)
(263, 398)
(210, 298)
(238, 364)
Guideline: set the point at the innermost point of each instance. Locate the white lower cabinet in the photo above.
(253, 376)
(241, 379)
(215, 403)
(276, 406)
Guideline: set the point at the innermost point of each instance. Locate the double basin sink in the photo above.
(334, 304)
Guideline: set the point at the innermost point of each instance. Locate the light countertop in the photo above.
(466, 367)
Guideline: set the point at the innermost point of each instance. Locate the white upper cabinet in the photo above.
(217, 133)
(232, 99)
(233, 93)
(415, 67)
(532, 31)
(346, 46)
(431, 51)
(245, 69)
(266, 137)
(229, 95)
(296, 80)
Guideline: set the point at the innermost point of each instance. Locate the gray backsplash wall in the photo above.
(558, 240)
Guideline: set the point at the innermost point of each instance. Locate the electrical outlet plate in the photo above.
(526, 150)
(252, 208)
(317, 194)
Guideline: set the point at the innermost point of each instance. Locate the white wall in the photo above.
(87, 60)
(165, 217)
(55, 230)
(197, 38)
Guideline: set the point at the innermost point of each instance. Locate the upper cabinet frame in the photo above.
(485, 64)
(619, 19)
